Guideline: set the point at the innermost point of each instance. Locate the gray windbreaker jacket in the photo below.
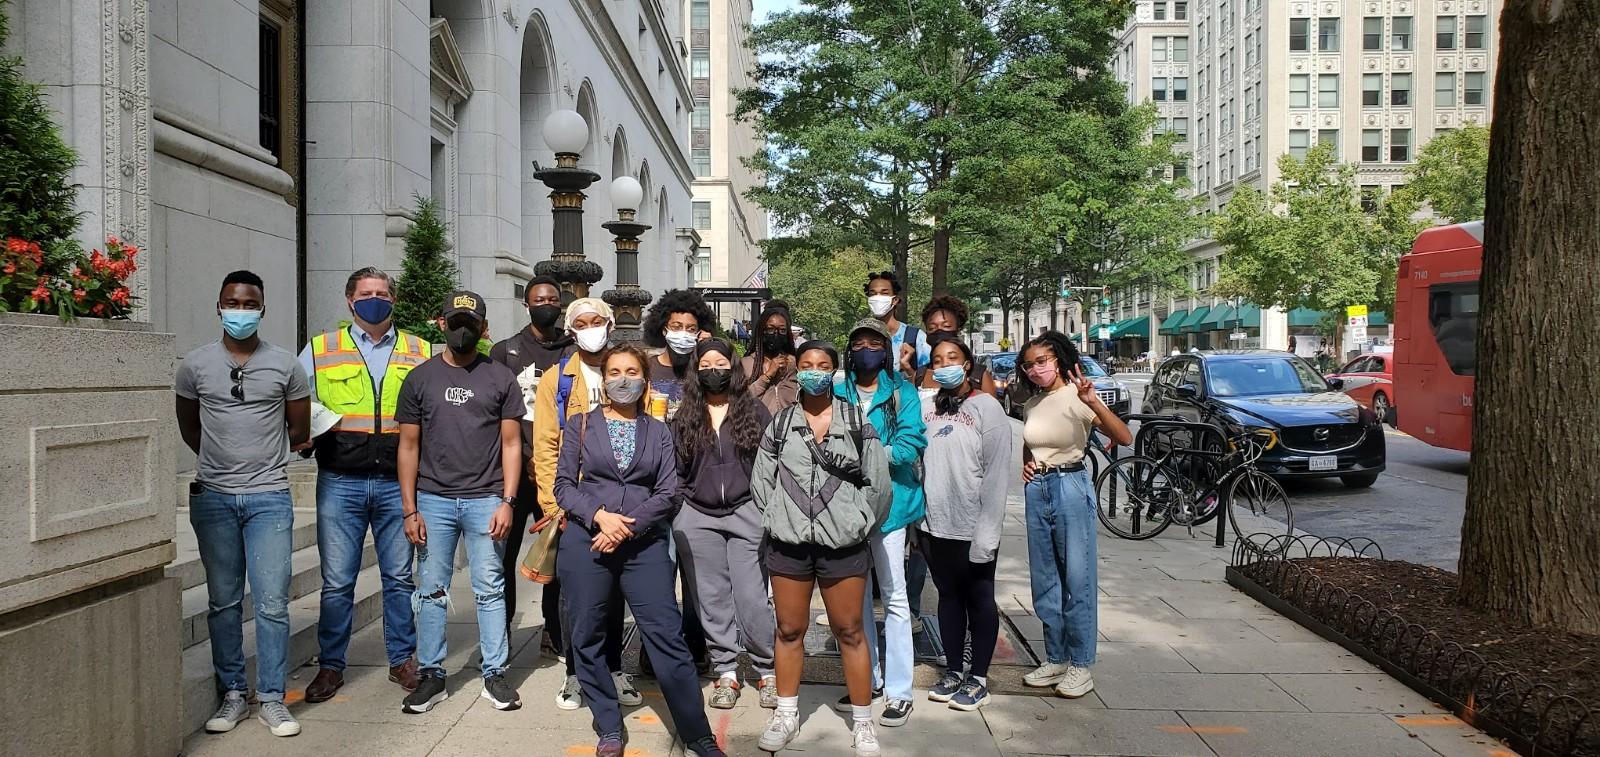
(801, 502)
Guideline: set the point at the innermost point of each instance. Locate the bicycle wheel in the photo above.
(1261, 496)
(1135, 497)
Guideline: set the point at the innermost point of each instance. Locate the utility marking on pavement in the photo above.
(297, 696)
(583, 750)
(724, 722)
(1206, 730)
(650, 718)
(1428, 720)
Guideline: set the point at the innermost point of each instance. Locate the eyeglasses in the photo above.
(1043, 362)
(692, 330)
(237, 376)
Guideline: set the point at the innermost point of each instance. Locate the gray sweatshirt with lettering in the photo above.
(967, 474)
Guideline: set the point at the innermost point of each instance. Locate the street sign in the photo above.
(734, 294)
(1238, 336)
(1356, 310)
(1105, 333)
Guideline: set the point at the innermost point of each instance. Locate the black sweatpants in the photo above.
(966, 601)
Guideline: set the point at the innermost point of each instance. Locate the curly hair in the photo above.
(691, 427)
(1059, 344)
(676, 301)
(644, 367)
(957, 308)
(894, 281)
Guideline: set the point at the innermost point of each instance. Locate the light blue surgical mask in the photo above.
(240, 324)
(950, 376)
(815, 382)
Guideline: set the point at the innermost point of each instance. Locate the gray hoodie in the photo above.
(968, 464)
(803, 503)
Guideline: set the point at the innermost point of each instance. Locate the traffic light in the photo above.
(1105, 297)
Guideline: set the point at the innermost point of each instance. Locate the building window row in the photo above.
(1327, 30)
(1300, 90)
(1173, 49)
(1180, 10)
(1178, 126)
(1399, 145)
(1401, 33)
(1177, 85)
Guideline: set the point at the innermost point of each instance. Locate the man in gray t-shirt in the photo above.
(241, 404)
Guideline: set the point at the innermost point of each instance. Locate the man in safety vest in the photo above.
(357, 372)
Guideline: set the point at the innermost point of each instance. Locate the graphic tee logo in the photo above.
(457, 395)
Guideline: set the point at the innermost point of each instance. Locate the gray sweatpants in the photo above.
(722, 557)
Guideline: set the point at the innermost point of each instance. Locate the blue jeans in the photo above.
(449, 520)
(889, 570)
(1061, 559)
(347, 504)
(239, 535)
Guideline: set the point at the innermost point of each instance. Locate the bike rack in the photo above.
(1153, 427)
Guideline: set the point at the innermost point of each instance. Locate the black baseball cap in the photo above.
(463, 302)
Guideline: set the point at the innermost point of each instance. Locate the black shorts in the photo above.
(817, 561)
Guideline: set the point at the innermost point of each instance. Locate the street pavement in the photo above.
(1188, 666)
(1413, 512)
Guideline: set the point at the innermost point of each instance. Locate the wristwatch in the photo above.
(508, 500)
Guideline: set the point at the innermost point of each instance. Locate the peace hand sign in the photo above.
(1085, 387)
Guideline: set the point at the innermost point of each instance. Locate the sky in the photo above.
(765, 8)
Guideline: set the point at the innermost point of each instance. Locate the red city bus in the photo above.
(1436, 325)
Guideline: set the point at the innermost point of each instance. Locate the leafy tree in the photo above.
(1450, 174)
(427, 274)
(1308, 243)
(1529, 541)
(871, 111)
(36, 192)
(825, 292)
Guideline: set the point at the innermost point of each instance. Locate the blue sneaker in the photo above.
(972, 696)
(946, 688)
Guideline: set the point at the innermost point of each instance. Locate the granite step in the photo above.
(305, 580)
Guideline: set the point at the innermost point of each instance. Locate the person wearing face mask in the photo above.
(945, 317)
(890, 402)
(357, 372)
(771, 365)
(718, 532)
(674, 324)
(1060, 514)
(907, 342)
(241, 404)
(529, 353)
(968, 475)
(460, 418)
(617, 479)
(574, 388)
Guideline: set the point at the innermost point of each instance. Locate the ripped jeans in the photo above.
(447, 521)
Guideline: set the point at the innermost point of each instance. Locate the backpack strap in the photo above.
(563, 392)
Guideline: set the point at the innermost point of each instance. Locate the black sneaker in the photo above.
(897, 712)
(843, 705)
(706, 746)
(500, 693)
(430, 691)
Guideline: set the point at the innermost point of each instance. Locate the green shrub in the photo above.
(427, 274)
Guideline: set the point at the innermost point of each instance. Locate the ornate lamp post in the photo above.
(627, 300)
(567, 133)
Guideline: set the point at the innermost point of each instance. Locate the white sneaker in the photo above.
(627, 694)
(1048, 674)
(866, 739)
(1076, 683)
(782, 727)
(275, 716)
(234, 709)
(570, 697)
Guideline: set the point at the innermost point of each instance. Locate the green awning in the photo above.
(1170, 325)
(1133, 328)
(1216, 318)
(1246, 317)
(1191, 324)
(1305, 317)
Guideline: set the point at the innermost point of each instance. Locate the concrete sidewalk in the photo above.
(1188, 666)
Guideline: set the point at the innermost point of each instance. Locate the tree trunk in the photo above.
(902, 271)
(1530, 542)
(1055, 307)
(1005, 319)
(941, 257)
(1027, 318)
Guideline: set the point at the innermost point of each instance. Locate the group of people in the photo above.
(753, 475)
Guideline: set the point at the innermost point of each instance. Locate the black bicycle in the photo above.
(1183, 473)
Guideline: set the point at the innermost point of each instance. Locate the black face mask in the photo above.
(544, 316)
(943, 335)
(463, 339)
(775, 344)
(716, 380)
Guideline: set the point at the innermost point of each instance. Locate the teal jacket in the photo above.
(904, 436)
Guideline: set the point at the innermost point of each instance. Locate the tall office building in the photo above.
(730, 226)
(1256, 79)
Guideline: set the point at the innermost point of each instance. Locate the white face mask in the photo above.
(880, 304)
(592, 339)
(682, 342)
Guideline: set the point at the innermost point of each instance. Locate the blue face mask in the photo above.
(869, 361)
(950, 376)
(240, 324)
(815, 382)
(373, 310)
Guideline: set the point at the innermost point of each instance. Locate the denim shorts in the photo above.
(817, 561)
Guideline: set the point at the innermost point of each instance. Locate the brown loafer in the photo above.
(324, 686)
(405, 674)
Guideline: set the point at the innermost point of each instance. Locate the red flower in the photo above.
(120, 295)
(16, 245)
(130, 251)
(78, 295)
(40, 294)
(99, 262)
(10, 268)
(113, 241)
(99, 309)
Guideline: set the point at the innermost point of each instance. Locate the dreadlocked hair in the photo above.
(1060, 345)
(691, 427)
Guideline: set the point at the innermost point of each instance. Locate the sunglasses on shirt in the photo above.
(237, 376)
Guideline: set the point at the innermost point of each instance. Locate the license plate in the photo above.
(1325, 462)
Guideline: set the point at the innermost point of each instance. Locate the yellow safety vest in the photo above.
(345, 387)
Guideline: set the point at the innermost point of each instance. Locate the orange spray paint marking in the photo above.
(1426, 721)
(724, 722)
